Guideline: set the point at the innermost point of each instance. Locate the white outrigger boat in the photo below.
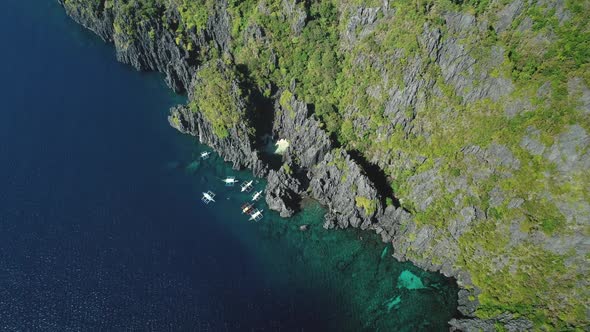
(208, 197)
(256, 215)
(247, 186)
(205, 155)
(230, 181)
(256, 195)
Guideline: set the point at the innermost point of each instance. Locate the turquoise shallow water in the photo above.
(368, 288)
(102, 228)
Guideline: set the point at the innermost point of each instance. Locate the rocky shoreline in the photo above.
(312, 165)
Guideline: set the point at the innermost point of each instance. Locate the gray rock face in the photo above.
(578, 90)
(466, 305)
(499, 159)
(531, 142)
(568, 152)
(559, 6)
(283, 192)
(459, 67)
(340, 184)
(335, 179)
(309, 143)
(361, 20)
(489, 325)
(517, 106)
(412, 97)
(296, 15)
(153, 47)
(507, 15)
(158, 53)
(390, 222)
(218, 28)
(99, 22)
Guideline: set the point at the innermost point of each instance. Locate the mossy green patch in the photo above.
(368, 205)
(216, 97)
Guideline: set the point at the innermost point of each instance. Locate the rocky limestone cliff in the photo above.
(335, 180)
(283, 192)
(149, 46)
(236, 148)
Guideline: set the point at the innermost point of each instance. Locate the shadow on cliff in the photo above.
(377, 176)
(333, 138)
(262, 116)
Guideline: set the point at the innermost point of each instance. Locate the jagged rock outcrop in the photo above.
(93, 17)
(152, 45)
(389, 223)
(509, 323)
(153, 48)
(283, 192)
(339, 183)
(335, 179)
(294, 123)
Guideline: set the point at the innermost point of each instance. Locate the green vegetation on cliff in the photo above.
(194, 13)
(216, 96)
(367, 204)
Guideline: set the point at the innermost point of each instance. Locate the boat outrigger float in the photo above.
(247, 186)
(208, 197)
(230, 181)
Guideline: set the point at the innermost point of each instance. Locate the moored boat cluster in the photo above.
(247, 208)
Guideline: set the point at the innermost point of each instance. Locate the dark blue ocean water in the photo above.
(95, 230)
(101, 226)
